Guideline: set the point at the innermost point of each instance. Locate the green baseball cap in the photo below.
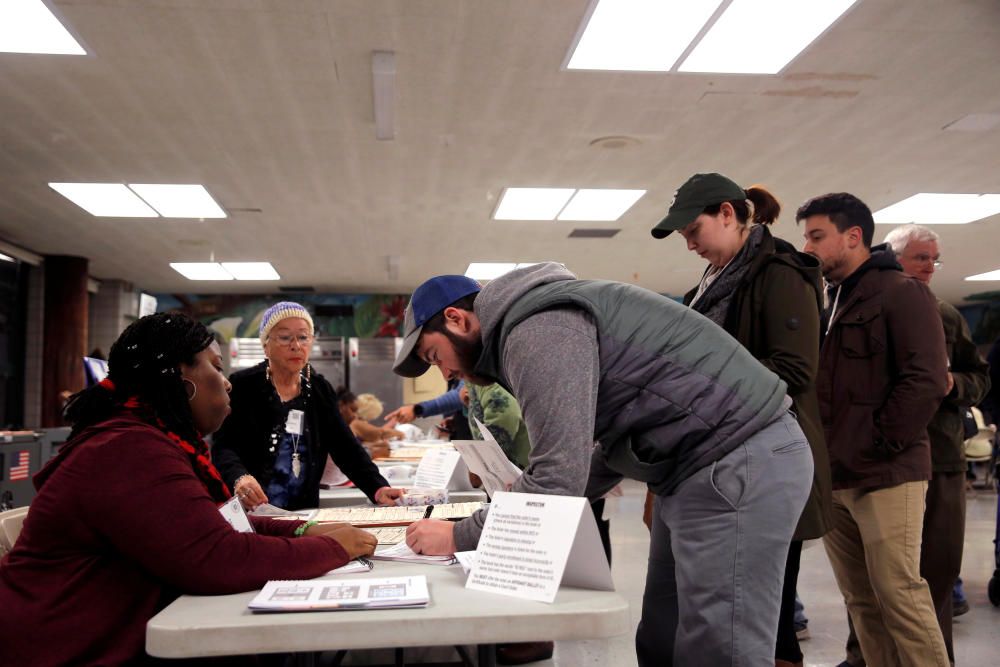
(698, 193)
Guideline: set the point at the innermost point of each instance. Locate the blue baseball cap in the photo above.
(427, 301)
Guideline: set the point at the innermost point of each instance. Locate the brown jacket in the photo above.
(774, 313)
(882, 375)
(972, 381)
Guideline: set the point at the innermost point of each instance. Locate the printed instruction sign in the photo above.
(531, 543)
(442, 469)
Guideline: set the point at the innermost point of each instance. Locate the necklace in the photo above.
(294, 425)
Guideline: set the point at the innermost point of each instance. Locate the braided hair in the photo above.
(144, 368)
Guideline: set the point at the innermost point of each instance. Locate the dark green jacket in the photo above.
(774, 313)
(972, 381)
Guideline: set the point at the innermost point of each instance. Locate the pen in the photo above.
(427, 512)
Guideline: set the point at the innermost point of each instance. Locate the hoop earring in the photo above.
(195, 392)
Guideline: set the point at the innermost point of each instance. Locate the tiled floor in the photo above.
(977, 634)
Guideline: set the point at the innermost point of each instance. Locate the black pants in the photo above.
(787, 644)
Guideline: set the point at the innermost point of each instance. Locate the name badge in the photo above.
(233, 512)
(293, 426)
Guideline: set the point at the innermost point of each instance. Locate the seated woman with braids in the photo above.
(126, 517)
(273, 448)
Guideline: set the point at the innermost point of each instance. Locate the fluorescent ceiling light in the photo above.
(601, 205)
(778, 31)
(179, 201)
(931, 208)
(28, 26)
(110, 200)
(201, 270)
(490, 270)
(640, 35)
(532, 203)
(6, 258)
(251, 270)
(989, 275)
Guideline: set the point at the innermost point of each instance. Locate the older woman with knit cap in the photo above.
(285, 421)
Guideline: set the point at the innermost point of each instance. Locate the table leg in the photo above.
(487, 655)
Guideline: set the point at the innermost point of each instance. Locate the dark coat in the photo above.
(243, 445)
(972, 380)
(775, 313)
(882, 375)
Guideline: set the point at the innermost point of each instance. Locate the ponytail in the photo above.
(766, 207)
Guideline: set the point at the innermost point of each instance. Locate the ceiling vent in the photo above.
(593, 233)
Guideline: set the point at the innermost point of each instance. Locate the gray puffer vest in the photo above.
(675, 391)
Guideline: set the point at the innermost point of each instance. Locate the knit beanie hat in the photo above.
(280, 311)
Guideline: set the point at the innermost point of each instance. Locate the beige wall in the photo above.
(429, 385)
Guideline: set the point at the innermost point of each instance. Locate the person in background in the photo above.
(285, 421)
(882, 374)
(495, 408)
(768, 296)
(673, 401)
(127, 514)
(917, 251)
(449, 404)
(374, 438)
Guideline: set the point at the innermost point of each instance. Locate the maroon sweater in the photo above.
(121, 526)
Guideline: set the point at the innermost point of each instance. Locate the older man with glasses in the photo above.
(285, 421)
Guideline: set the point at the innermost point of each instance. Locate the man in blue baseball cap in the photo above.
(674, 402)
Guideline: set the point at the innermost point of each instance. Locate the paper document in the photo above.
(329, 594)
(389, 535)
(402, 552)
(371, 516)
(233, 512)
(485, 459)
(269, 510)
(396, 516)
(466, 559)
(359, 564)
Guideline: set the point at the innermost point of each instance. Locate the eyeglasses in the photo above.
(285, 340)
(924, 259)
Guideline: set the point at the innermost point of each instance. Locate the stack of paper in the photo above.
(326, 594)
(402, 552)
(396, 516)
(371, 516)
(388, 535)
(359, 564)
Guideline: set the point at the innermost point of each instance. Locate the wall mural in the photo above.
(348, 315)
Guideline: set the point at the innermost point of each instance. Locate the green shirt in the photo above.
(498, 410)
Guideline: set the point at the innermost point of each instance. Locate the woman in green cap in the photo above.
(768, 296)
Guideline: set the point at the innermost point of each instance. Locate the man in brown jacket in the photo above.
(882, 374)
(916, 249)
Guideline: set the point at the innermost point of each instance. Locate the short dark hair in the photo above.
(436, 323)
(345, 396)
(844, 210)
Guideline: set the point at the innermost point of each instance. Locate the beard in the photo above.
(467, 354)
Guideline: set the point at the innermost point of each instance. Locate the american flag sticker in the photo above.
(19, 470)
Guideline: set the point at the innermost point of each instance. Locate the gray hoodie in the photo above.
(664, 390)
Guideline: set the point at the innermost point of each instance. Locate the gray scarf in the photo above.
(713, 301)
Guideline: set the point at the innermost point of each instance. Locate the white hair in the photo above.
(902, 236)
